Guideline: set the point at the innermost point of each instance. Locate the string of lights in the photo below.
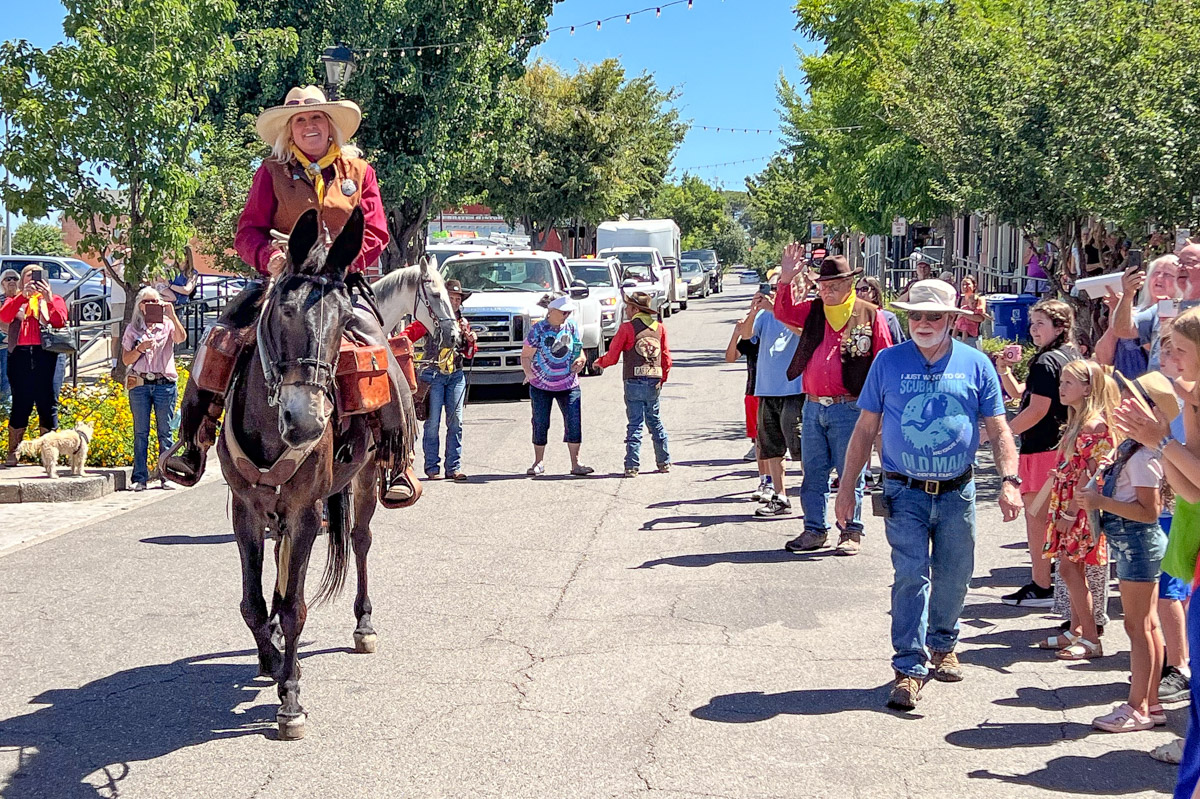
(724, 129)
(438, 48)
(726, 163)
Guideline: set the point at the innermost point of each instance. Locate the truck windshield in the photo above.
(507, 274)
(598, 275)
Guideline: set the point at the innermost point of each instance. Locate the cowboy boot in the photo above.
(15, 434)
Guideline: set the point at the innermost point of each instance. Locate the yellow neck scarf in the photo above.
(314, 169)
(648, 320)
(839, 315)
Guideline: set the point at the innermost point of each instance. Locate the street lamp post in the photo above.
(339, 66)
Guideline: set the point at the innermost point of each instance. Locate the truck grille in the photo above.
(491, 328)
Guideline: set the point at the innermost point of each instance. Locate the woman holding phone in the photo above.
(30, 366)
(1039, 423)
(148, 350)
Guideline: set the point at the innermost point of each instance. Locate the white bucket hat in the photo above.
(344, 113)
(563, 304)
(932, 296)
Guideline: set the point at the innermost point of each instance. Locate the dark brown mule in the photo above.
(279, 422)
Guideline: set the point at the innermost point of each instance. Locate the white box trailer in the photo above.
(661, 234)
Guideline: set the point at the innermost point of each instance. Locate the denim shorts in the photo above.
(1136, 548)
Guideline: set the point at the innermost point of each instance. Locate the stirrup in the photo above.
(176, 474)
(409, 478)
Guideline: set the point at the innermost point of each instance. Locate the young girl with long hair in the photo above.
(1128, 495)
(1039, 423)
(1072, 540)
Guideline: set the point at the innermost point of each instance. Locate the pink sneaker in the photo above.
(1124, 718)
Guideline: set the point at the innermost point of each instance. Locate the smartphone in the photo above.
(36, 275)
(764, 288)
(1135, 259)
(154, 314)
(1168, 309)
(1012, 353)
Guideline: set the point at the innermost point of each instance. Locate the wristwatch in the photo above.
(1011, 478)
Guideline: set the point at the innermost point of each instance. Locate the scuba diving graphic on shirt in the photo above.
(937, 428)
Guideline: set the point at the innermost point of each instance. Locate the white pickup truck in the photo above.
(507, 286)
(648, 250)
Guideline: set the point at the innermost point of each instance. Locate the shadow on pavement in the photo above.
(719, 462)
(999, 735)
(753, 706)
(1111, 774)
(1004, 577)
(740, 498)
(699, 561)
(171, 540)
(695, 522)
(82, 742)
(1068, 697)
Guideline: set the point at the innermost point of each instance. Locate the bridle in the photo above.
(321, 374)
(424, 289)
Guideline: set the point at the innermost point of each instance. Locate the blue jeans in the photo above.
(60, 374)
(5, 390)
(160, 397)
(824, 439)
(572, 410)
(933, 556)
(1189, 769)
(447, 392)
(641, 404)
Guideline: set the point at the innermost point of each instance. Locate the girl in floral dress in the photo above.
(1071, 538)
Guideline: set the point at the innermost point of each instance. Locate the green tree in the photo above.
(782, 203)
(106, 127)
(434, 118)
(38, 238)
(586, 147)
(696, 207)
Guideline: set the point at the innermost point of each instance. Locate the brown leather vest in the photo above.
(854, 365)
(295, 193)
(644, 358)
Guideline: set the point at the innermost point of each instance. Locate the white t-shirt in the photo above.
(1144, 470)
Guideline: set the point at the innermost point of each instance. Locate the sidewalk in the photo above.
(23, 524)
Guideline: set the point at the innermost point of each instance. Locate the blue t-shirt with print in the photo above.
(554, 350)
(776, 347)
(931, 411)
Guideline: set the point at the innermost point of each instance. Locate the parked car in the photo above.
(603, 277)
(712, 266)
(749, 276)
(508, 286)
(86, 294)
(645, 267)
(691, 271)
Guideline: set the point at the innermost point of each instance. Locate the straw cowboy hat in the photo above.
(1152, 388)
(302, 99)
(931, 296)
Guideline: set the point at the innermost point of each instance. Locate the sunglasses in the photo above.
(925, 316)
(305, 101)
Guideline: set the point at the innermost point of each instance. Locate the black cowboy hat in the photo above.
(835, 267)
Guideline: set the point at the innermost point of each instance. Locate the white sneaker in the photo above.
(763, 493)
(752, 455)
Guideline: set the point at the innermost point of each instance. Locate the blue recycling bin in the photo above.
(1010, 315)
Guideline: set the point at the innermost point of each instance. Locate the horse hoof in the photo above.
(291, 728)
(364, 643)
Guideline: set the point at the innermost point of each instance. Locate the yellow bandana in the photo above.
(314, 169)
(648, 320)
(839, 315)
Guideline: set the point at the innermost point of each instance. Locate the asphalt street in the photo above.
(549, 637)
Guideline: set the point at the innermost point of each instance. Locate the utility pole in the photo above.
(7, 212)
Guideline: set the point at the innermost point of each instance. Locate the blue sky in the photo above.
(724, 56)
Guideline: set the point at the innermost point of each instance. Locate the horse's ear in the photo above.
(303, 237)
(347, 245)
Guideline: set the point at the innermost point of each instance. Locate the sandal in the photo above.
(1059, 641)
(1124, 718)
(535, 469)
(1158, 715)
(1082, 649)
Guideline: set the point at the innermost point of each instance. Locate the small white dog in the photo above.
(72, 443)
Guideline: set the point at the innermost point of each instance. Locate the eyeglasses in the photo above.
(925, 316)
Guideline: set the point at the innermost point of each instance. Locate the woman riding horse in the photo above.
(311, 167)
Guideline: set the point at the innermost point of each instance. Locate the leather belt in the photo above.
(838, 400)
(933, 487)
(155, 381)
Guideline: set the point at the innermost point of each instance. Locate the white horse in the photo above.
(420, 292)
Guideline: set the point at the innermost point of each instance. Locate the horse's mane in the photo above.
(403, 279)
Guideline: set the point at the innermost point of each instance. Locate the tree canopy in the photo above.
(39, 238)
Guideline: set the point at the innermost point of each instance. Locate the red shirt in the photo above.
(625, 339)
(823, 375)
(253, 241)
(31, 334)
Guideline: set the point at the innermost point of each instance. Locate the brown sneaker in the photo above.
(849, 542)
(946, 667)
(905, 693)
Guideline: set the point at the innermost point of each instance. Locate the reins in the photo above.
(322, 375)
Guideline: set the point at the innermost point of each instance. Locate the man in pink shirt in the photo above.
(840, 335)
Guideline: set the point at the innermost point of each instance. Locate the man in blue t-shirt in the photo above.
(779, 399)
(929, 395)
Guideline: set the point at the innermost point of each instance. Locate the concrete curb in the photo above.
(93, 484)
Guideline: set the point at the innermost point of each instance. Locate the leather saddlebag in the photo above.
(362, 378)
(402, 348)
(217, 358)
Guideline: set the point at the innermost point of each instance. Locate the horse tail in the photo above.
(340, 507)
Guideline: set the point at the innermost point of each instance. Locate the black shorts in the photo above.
(779, 426)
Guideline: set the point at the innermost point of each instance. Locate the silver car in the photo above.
(86, 294)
